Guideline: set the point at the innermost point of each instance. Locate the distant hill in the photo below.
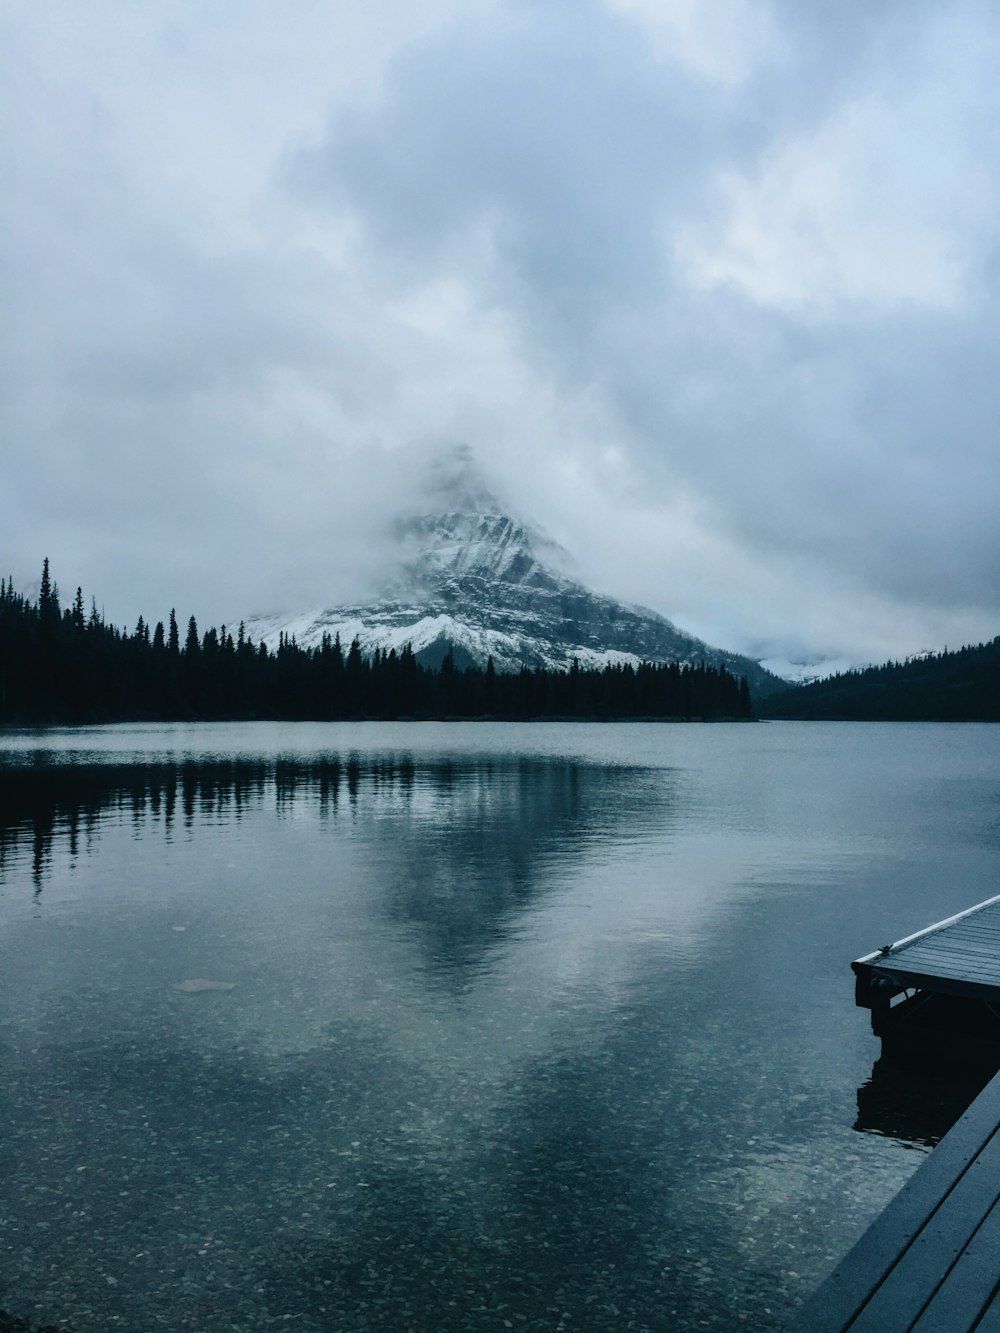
(961, 686)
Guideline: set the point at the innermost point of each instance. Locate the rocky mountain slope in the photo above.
(474, 580)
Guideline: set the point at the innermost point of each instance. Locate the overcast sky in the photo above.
(710, 286)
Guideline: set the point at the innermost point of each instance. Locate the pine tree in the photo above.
(192, 644)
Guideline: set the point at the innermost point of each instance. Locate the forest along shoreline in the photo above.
(63, 666)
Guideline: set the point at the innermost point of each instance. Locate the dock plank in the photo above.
(954, 949)
(970, 1286)
(858, 1277)
(990, 1321)
(959, 939)
(943, 949)
(910, 1286)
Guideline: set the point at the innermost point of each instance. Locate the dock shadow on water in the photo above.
(918, 1102)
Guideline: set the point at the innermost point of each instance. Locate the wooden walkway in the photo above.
(931, 1262)
(942, 982)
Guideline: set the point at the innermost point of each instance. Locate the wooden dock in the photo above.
(930, 1263)
(938, 988)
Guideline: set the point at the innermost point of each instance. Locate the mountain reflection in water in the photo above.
(483, 831)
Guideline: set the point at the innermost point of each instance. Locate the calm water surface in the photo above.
(538, 1027)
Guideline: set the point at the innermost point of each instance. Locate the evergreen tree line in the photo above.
(66, 665)
(958, 686)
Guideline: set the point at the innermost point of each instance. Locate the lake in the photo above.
(461, 1026)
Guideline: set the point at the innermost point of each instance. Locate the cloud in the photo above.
(195, 414)
(840, 218)
(722, 40)
(709, 287)
(530, 153)
(779, 348)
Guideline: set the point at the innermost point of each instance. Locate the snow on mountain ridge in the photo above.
(476, 581)
(487, 545)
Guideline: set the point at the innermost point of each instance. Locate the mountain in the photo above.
(797, 672)
(960, 686)
(476, 581)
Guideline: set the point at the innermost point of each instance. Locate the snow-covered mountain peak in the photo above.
(460, 529)
(474, 580)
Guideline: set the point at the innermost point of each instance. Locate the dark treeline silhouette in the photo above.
(62, 665)
(960, 686)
